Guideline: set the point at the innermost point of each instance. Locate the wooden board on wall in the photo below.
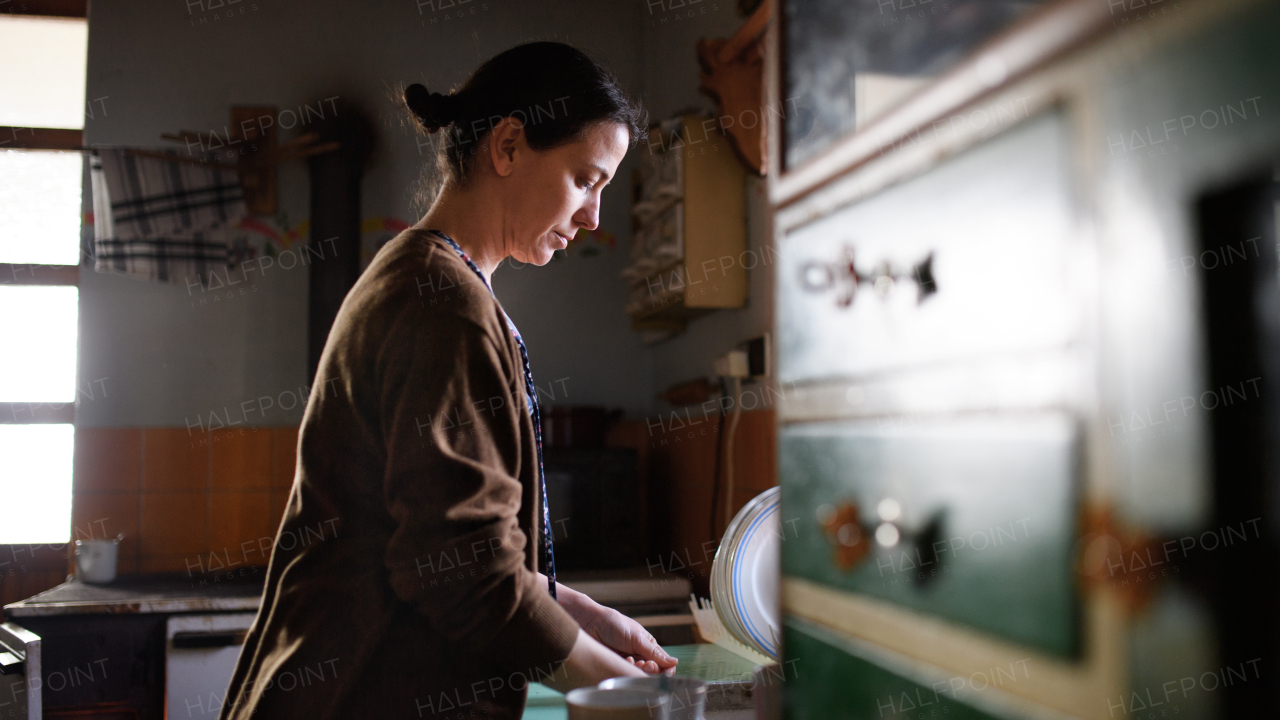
(681, 451)
(715, 220)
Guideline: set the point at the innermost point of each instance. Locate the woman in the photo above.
(419, 481)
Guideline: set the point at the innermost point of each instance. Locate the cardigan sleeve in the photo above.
(451, 418)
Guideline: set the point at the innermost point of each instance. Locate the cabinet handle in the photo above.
(819, 276)
(852, 539)
(207, 640)
(922, 273)
(10, 664)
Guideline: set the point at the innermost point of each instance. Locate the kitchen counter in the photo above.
(242, 591)
(148, 598)
(113, 638)
(146, 594)
(728, 677)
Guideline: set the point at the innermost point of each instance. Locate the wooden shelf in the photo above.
(708, 215)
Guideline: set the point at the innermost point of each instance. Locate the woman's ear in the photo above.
(506, 143)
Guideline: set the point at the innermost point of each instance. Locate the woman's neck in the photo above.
(474, 221)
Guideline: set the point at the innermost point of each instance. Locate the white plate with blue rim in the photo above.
(745, 575)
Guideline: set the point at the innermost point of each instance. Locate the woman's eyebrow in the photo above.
(604, 174)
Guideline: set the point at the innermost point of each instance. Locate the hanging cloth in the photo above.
(162, 220)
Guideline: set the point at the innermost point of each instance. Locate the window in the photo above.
(41, 178)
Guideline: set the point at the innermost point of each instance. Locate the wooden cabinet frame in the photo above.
(1050, 61)
(1046, 35)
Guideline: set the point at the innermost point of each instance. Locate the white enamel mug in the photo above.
(96, 560)
(587, 703)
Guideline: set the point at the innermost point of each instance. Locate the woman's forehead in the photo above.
(603, 144)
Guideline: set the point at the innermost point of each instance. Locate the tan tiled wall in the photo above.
(186, 501)
(203, 502)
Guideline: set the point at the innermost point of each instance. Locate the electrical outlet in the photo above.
(759, 356)
(751, 359)
(733, 364)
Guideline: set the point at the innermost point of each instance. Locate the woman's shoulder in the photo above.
(418, 272)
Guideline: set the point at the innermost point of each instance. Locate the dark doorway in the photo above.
(1238, 273)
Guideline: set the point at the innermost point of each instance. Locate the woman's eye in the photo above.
(585, 185)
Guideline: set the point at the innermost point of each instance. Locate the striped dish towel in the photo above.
(161, 220)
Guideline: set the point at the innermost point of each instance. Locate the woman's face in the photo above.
(556, 192)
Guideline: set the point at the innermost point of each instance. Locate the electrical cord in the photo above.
(715, 478)
(728, 462)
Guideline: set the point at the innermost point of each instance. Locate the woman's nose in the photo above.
(588, 216)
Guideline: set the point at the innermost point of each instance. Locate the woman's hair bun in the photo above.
(432, 109)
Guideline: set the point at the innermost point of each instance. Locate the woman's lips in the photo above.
(564, 240)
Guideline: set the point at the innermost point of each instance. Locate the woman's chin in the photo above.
(538, 257)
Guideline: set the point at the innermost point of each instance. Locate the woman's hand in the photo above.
(629, 639)
(588, 663)
(616, 631)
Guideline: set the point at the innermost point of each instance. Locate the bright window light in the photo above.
(38, 337)
(40, 206)
(35, 482)
(44, 68)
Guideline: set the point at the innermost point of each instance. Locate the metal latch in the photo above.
(10, 664)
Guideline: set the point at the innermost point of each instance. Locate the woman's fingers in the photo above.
(652, 651)
(648, 666)
(629, 639)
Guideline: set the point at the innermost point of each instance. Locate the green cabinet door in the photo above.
(972, 520)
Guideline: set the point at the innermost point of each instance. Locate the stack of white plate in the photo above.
(744, 575)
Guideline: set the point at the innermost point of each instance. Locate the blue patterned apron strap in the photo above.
(548, 542)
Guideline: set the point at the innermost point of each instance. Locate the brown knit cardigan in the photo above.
(402, 583)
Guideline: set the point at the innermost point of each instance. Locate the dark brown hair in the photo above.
(554, 89)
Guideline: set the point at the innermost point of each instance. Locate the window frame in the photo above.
(26, 569)
(49, 8)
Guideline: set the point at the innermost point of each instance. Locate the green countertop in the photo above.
(544, 703)
(710, 663)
